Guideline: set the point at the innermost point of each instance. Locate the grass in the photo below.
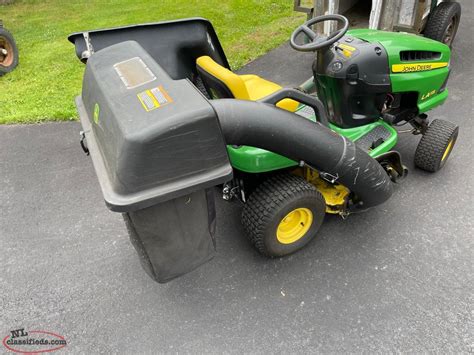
(48, 78)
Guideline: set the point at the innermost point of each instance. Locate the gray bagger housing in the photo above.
(157, 148)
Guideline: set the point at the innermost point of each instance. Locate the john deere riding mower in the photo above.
(165, 121)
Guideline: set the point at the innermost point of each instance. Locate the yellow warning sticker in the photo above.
(347, 53)
(346, 47)
(154, 98)
(347, 50)
(408, 68)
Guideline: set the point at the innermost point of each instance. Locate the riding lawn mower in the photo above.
(165, 121)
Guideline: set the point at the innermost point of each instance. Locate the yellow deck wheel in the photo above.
(436, 145)
(294, 225)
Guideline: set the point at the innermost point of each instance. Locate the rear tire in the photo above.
(436, 145)
(8, 52)
(283, 214)
(443, 22)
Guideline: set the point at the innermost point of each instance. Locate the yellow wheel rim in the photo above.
(448, 150)
(294, 225)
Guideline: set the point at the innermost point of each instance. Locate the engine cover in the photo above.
(368, 71)
(352, 78)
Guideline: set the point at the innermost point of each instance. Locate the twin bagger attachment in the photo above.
(157, 149)
(158, 145)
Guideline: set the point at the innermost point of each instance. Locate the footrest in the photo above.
(373, 139)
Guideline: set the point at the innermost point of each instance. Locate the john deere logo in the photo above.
(96, 113)
(408, 68)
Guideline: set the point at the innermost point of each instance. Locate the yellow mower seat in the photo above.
(223, 83)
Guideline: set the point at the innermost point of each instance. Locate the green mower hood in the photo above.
(417, 64)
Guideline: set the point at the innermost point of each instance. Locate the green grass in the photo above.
(48, 78)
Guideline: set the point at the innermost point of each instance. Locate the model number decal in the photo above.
(408, 68)
(428, 94)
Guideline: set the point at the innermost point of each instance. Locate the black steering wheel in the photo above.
(318, 40)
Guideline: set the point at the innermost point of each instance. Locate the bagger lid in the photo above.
(174, 45)
(151, 138)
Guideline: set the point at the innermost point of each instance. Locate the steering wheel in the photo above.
(318, 40)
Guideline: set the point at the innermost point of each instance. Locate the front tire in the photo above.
(436, 145)
(283, 214)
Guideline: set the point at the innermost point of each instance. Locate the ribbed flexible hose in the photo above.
(265, 126)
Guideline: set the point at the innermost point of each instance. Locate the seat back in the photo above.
(220, 82)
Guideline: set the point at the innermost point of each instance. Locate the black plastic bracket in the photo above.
(84, 143)
(392, 163)
(420, 124)
(301, 97)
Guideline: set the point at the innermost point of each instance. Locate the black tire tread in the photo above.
(266, 199)
(432, 145)
(5, 33)
(440, 18)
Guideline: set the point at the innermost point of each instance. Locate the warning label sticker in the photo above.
(154, 98)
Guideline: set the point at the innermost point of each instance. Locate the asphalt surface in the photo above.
(396, 278)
